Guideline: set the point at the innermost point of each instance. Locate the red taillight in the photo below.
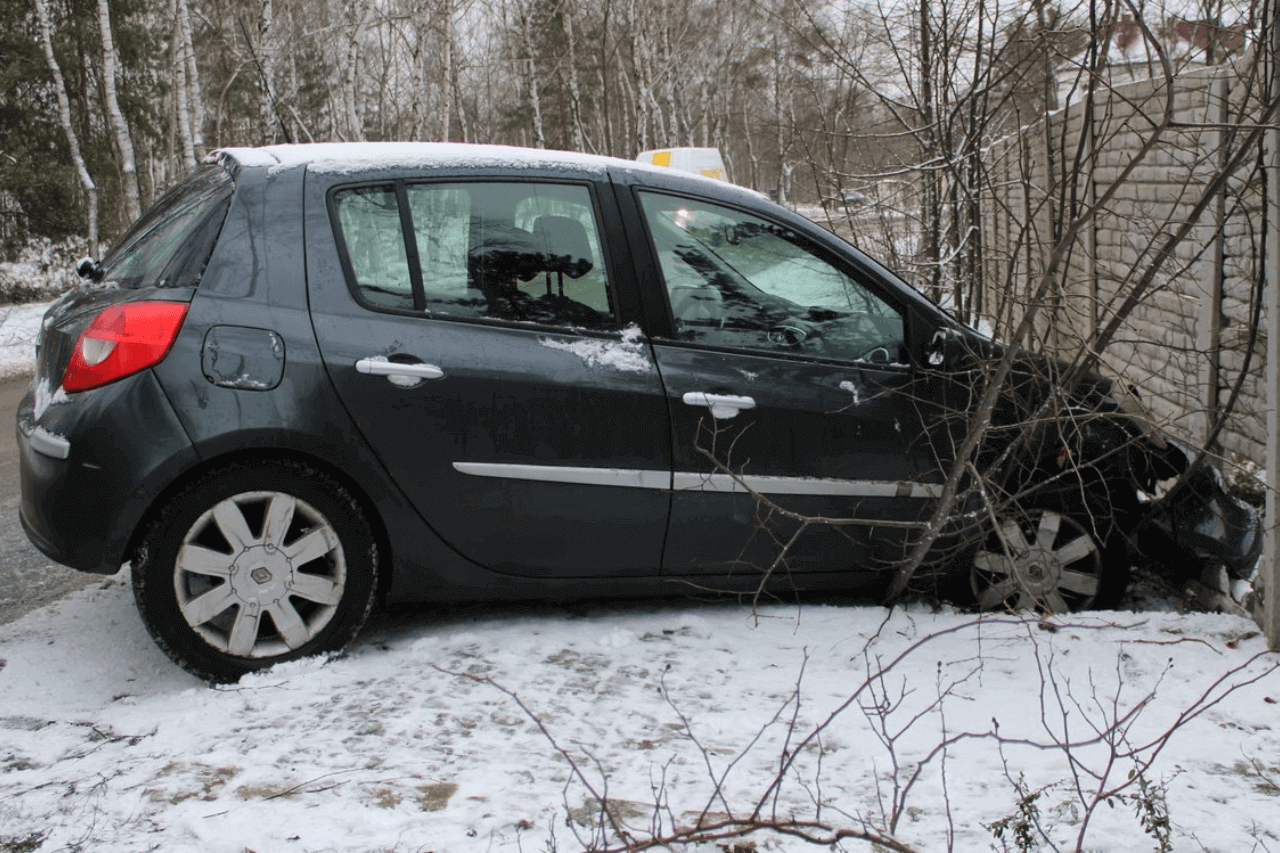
(122, 340)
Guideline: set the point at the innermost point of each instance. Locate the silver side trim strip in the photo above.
(637, 478)
(765, 485)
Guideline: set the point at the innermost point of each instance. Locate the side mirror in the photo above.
(90, 269)
(950, 349)
(939, 348)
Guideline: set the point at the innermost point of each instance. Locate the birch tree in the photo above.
(191, 78)
(354, 17)
(115, 118)
(527, 59)
(568, 10)
(64, 113)
(444, 79)
(182, 103)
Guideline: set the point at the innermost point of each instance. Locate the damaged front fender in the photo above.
(1198, 524)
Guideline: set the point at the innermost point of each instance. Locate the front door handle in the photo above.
(397, 372)
(722, 406)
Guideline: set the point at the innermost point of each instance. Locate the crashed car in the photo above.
(314, 378)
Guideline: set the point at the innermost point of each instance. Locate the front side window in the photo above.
(517, 251)
(737, 280)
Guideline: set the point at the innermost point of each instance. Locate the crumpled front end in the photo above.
(1199, 524)
(1193, 526)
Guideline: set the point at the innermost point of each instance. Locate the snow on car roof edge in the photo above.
(350, 157)
(353, 157)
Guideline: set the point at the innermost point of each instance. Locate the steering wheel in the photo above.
(792, 332)
(881, 353)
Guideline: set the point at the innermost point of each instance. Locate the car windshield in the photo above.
(169, 246)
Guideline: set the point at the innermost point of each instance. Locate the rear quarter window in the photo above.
(171, 244)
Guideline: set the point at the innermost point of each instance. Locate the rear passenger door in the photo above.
(475, 331)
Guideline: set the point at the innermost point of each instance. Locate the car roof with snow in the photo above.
(354, 158)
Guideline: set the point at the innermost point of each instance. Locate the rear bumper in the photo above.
(86, 488)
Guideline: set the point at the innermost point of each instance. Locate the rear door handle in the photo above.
(399, 373)
(722, 406)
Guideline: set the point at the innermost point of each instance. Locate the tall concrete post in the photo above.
(1269, 617)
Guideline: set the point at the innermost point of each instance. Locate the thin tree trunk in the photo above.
(418, 53)
(646, 120)
(267, 52)
(606, 120)
(630, 113)
(460, 105)
(932, 195)
(531, 79)
(779, 141)
(64, 115)
(181, 103)
(575, 88)
(350, 95)
(119, 127)
(676, 128)
(446, 71)
(195, 98)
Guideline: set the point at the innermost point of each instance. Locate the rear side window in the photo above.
(517, 251)
(171, 244)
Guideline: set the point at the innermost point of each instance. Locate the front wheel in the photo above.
(1044, 561)
(255, 563)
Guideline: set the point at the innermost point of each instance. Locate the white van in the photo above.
(700, 161)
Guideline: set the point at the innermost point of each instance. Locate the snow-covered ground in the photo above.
(414, 740)
(19, 325)
(466, 729)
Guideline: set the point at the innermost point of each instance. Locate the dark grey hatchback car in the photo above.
(316, 377)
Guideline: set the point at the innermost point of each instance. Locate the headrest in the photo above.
(506, 249)
(563, 243)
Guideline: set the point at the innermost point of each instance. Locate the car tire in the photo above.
(254, 563)
(1048, 561)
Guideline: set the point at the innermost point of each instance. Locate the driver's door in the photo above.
(788, 376)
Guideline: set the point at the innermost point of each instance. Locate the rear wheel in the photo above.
(255, 563)
(1047, 561)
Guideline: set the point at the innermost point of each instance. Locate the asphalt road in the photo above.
(27, 578)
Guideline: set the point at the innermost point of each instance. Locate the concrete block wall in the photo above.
(1184, 343)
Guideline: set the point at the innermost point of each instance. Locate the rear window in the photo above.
(171, 244)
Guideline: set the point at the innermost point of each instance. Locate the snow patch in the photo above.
(46, 397)
(19, 328)
(626, 354)
(617, 639)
